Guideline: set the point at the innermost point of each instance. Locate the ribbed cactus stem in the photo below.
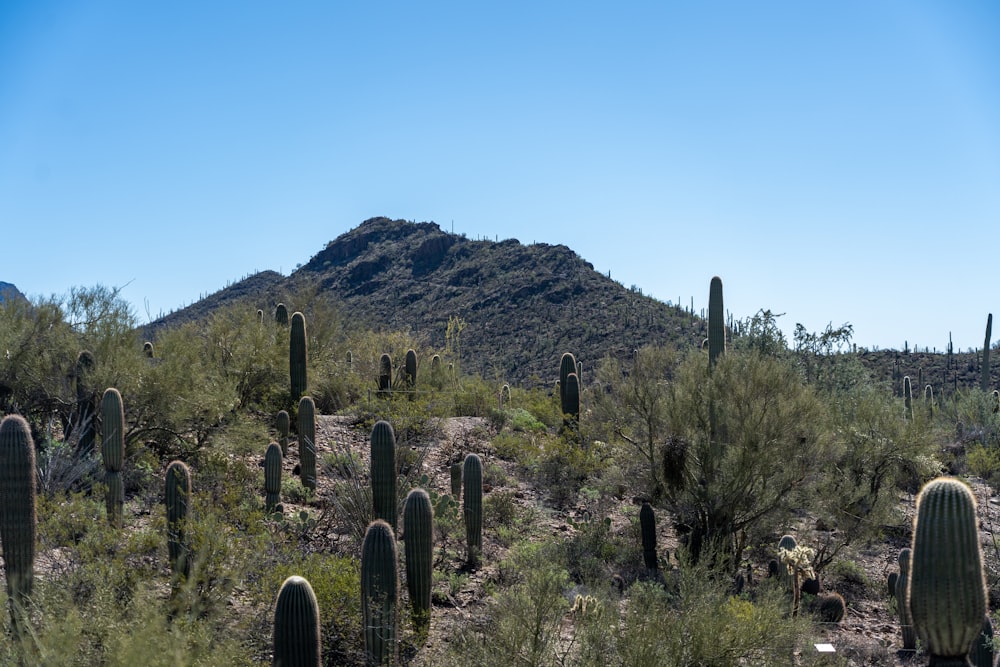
(455, 471)
(984, 380)
(379, 592)
(307, 442)
(647, 528)
(902, 603)
(177, 501)
(383, 463)
(296, 625)
(716, 321)
(17, 510)
(907, 399)
(283, 423)
(947, 596)
(567, 365)
(385, 373)
(272, 477)
(982, 653)
(788, 543)
(281, 314)
(112, 452)
(472, 505)
(418, 541)
(570, 394)
(297, 356)
(410, 368)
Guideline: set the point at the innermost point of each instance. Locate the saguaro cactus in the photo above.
(418, 541)
(272, 477)
(281, 314)
(472, 505)
(296, 625)
(902, 602)
(297, 356)
(716, 321)
(17, 510)
(982, 653)
(307, 442)
(283, 423)
(947, 595)
(455, 471)
(567, 365)
(384, 373)
(570, 394)
(379, 592)
(984, 379)
(907, 399)
(383, 457)
(410, 368)
(112, 452)
(177, 501)
(647, 526)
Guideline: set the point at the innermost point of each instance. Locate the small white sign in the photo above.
(825, 648)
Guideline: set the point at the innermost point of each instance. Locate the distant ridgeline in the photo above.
(9, 292)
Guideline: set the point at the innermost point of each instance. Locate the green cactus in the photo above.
(383, 472)
(830, 607)
(902, 603)
(472, 506)
(893, 578)
(86, 400)
(379, 593)
(455, 470)
(385, 373)
(907, 399)
(788, 543)
(418, 542)
(947, 596)
(647, 528)
(112, 452)
(567, 365)
(570, 403)
(281, 314)
(296, 625)
(260, 316)
(17, 511)
(272, 477)
(929, 400)
(350, 359)
(716, 321)
(283, 424)
(982, 653)
(147, 349)
(297, 354)
(984, 379)
(307, 442)
(410, 369)
(177, 501)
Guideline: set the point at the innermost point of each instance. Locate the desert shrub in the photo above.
(522, 420)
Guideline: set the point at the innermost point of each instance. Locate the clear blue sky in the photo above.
(833, 161)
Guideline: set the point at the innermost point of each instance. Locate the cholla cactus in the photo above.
(798, 562)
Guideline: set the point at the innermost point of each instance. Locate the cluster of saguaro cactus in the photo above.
(307, 442)
(112, 452)
(647, 528)
(472, 505)
(947, 588)
(85, 403)
(297, 356)
(379, 592)
(385, 373)
(383, 472)
(418, 542)
(716, 321)
(17, 511)
(177, 501)
(283, 424)
(296, 625)
(272, 477)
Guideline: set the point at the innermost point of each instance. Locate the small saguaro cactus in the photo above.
(296, 625)
(947, 596)
(17, 510)
(177, 501)
(283, 423)
(86, 400)
(716, 321)
(147, 349)
(929, 400)
(112, 452)
(260, 316)
(418, 546)
(272, 477)
(379, 592)
(297, 355)
(307, 442)
(647, 527)
(472, 505)
(455, 471)
(410, 369)
(281, 314)
(984, 379)
(385, 373)
(383, 472)
(902, 601)
(907, 399)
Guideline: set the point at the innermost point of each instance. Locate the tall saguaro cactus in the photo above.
(297, 355)
(17, 510)
(272, 477)
(947, 595)
(379, 592)
(984, 379)
(296, 625)
(418, 541)
(383, 469)
(281, 314)
(472, 505)
(177, 501)
(112, 452)
(716, 321)
(307, 442)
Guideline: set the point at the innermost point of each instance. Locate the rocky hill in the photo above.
(523, 305)
(9, 292)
